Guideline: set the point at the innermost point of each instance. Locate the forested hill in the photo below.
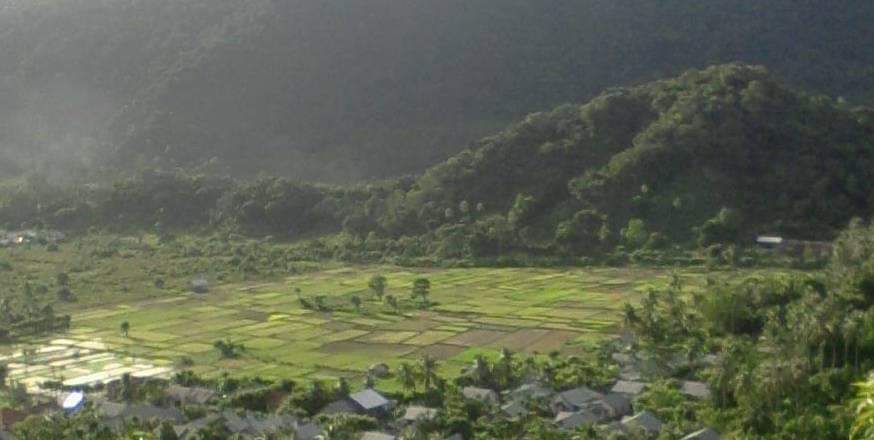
(342, 90)
(712, 156)
(727, 151)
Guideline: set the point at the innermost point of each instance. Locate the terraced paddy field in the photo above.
(474, 311)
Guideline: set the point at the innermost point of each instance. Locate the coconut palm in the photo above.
(504, 367)
(429, 371)
(407, 377)
(356, 302)
(482, 373)
(125, 328)
(343, 388)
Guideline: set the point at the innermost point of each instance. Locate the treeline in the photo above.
(713, 157)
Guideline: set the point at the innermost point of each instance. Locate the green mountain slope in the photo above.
(338, 91)
(666, 157)
(712, 156)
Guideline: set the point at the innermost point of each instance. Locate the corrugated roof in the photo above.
(370, 399)
(628, 387)
(644, 420)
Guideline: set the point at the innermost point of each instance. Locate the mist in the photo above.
(52, 128)
(350, 91)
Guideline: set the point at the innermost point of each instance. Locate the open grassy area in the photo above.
(473, 311)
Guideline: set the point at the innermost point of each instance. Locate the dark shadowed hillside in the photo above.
(712, 156)
(337, 91)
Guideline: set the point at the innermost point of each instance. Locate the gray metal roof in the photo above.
(530, 391)
(619, 404)
(345, 406)
(698, 390)
(370, 399)
(628, 387)
(515, 409)
(419, 413)
(644, 420)
(189, 395)
(570, 421)
(578, 397)
(482, 394)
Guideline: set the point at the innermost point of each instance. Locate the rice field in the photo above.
(473, 311)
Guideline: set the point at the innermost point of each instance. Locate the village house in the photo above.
(697, 390)
(249, 425)
(528, 391)
(644, 421)
(417, 414)
(116, 415)
(483, 395)
(372, 402)
(627, 387)
(617, 405)
(515, 408)
(571, 421)
(574, 400)
(368, 401)
(342, 406)
(181, 396)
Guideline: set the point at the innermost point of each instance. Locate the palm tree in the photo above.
(343, 388)
(481, 371)
(356, 302)
(377, 284)
(407, 377)
(429, 371)
(125, 328)
(4, 372)
(505, 367)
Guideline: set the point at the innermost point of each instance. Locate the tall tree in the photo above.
(377, 285)
(407, 377)
(429, 371)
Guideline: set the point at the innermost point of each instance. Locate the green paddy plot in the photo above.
(473, 311)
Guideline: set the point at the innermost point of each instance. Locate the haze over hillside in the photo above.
(344, 90)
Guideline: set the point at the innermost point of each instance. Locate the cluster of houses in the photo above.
(19, 238)
(610, 410)
(116, 415)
